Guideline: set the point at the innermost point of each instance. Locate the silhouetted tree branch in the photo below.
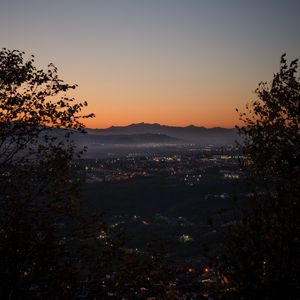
(36, 181)
(261, 256)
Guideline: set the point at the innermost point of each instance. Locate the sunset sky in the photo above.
(174, 62)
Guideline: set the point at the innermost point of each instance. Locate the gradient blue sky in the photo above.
(168, 61)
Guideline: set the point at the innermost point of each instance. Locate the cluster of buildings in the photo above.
(191, 169)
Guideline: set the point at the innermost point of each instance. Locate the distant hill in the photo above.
(124, 139)
(188, 134)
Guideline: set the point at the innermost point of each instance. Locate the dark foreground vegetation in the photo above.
(168, 231)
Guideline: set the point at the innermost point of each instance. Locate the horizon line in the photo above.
(155, 123)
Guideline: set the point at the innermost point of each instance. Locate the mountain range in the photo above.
(156, 133)
(125, 139)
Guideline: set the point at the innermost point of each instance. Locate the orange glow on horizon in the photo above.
(149, 99)
(173, 113)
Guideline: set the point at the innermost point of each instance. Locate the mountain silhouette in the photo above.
(124, 139)
(189, 134)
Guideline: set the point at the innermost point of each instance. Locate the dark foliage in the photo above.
(261, 256)
(37, 187)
